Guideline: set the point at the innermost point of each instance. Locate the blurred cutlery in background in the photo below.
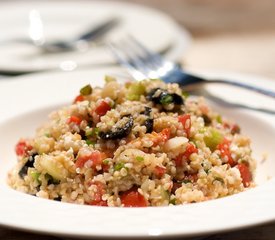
(79, 43)
(52, 22)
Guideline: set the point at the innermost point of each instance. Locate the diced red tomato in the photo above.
(189, 150)
(97, 199)
(79, 98)
(102, 203)
(185, 120)
(105, 167)
(21, 148)
(224, 148)
(74, 119)
(245, 174)
(95, 157)
(165, 134)
(107, 153)
(102, 108)
(179, 160)
(226, 125)
(162, 137)
(235, 129)
(132, 198)
(103, 155)
(159, 171)
(185, 156)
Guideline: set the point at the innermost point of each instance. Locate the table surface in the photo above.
(264, 232)
(232, 35)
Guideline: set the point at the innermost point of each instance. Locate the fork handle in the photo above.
(245, 86)
(184, 79)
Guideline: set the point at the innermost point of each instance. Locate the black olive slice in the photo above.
(24, 170)
(149, 122)
(163, 97)
(119, 132)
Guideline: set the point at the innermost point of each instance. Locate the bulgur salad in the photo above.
(136, 144)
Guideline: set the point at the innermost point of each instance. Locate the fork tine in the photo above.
(124, 61)
(158, 65)
(153, 58)
(127, 56)
(135, 58)
(139, 60)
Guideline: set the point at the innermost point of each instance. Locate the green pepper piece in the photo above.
(35, 175)
(212, 138)
(135, 90)
(86, 90)
(139, 158)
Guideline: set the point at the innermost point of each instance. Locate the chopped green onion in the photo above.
(92, 132)
(195, 143)
(95, 132)
(219, 119)
(165, 194)
(112, 104)
(139, 158)
(109, 79)
(88, 132)
(218, 179)
(47, 135)
(185, 181)
(154, 79)
(119, 166)
(86, 90)
(51, 179)
(90, 142)
(202, 130)
(167, 99)
(106, 161)
(185, 94)
(173, 201)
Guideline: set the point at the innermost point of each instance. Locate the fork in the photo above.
(143, 63)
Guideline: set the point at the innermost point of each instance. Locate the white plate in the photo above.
(24, 103)
(66, 19)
